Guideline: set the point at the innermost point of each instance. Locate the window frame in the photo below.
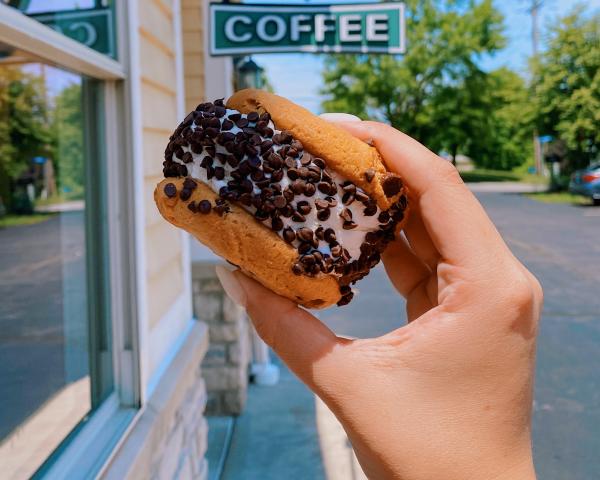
(89, 446)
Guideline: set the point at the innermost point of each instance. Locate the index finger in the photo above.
(459, 227)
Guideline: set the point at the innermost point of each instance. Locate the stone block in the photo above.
(213, 403)
(217, 355)
(170, 454)
(226, 378)
(201, 433)
(185, 471)
(234, 401)
(223, 332)
(209, 307)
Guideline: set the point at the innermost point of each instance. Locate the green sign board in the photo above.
(93, 28)
(367, 28)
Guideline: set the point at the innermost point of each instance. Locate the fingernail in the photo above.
(340, 117)
(231, 285)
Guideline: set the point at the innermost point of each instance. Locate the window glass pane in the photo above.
(55, 349)
(91, 22)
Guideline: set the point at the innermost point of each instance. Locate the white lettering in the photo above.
(297, 27)
(90, 35)
(230, 28)
(376, 31)
(350, 32)
(280, 28)
(321, 26)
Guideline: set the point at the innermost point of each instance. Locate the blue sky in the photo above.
(298, 76)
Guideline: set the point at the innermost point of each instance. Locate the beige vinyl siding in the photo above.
(193, 48)
(158, 82)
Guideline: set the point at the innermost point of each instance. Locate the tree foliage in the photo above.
(23, 120)
(436, 92)
(567, 87)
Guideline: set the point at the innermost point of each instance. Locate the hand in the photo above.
(449, 395)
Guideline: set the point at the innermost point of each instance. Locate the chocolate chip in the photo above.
(304, 248)
(280, 201)
(277, 176)
(329, 235)
(220, 111)
(185, 194)
(261, 215)
(246, 199)
(323, 215)
(305, 234)
(257, 175)
(308, 259)
(336, 250)
(189, 183)
(309, 190)
(320, 233)
(370, 210)
(276, 224)
(227, 125)
(211, 132)
(319, 162)
(324, 187)
(369, 174)
(219, 173)
(349, 188)
(242, 122)
(225, 137)
(170, 190)
(265, 145)
(187, 157)
(349, 225)
(321, 204)
(196, 147)
(252, 117)
(254, 162)
(275, 160)
(211, 150)
(292, 173)
(234, 117)
(298, 269)
(361, 196)
(303, 207)
(348, 198)
(346, 215)
(383, 217)
(289, 235)
(298, 217)
(192, 206)
(391, 184)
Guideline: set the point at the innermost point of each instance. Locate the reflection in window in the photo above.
(48, 335)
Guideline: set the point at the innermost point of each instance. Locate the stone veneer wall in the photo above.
(169, 438)
(225, 366)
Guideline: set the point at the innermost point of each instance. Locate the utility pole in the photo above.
(534, 10)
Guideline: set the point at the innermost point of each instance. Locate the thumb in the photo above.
(305, 344)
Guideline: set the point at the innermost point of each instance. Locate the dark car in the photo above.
(586, 182)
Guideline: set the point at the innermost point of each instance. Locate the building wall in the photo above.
(158, 83)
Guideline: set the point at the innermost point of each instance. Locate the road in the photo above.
(43, 314)
(560, 244)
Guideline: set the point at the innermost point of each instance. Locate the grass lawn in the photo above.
(20, 220)
(559, 197)
(482, 175)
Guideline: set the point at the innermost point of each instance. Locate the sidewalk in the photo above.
(282, 434)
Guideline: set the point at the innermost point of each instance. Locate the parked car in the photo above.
(586, 182)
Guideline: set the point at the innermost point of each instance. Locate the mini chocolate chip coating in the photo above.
(170, 190)
(245, 159)
(391, 184)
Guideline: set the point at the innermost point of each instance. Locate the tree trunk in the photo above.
(454, 153)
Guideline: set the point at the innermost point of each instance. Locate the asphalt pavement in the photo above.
(43, 314)
(560, 244)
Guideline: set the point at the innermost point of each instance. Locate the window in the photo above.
(68, 366)
(55, 348)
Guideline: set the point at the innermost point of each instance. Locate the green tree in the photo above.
(446, 38)
(567, 87)
(501, 121)
(23, 125)
(67, 130)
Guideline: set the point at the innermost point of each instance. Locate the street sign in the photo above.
(366, 28)
(93, 28)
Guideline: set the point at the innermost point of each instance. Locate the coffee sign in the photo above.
(368, 28)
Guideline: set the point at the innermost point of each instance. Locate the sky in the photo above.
(298, 76)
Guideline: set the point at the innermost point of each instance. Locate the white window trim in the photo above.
(31, 35)
(94, 442)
